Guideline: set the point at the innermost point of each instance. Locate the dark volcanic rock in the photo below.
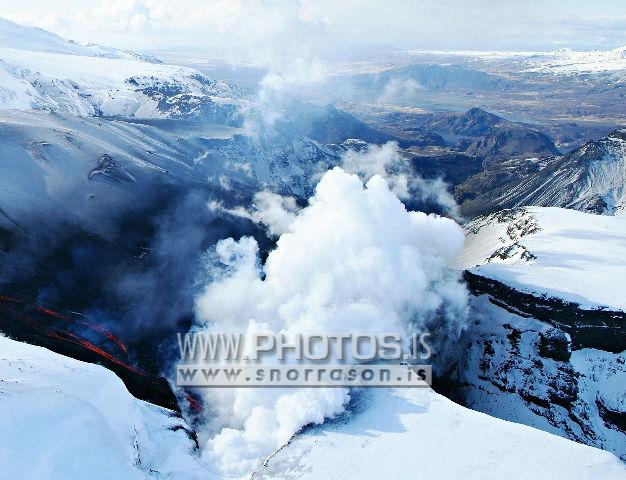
(614, 419)
(454, 168)
(602, 329)
(554, 344)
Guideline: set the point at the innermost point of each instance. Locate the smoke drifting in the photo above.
(274, 211)
(386, 161)
(400, 91)
(279, 89)
(353, 260)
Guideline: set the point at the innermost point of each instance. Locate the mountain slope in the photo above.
(39, 70)
(591, 178)
(475, 132)
(62, 418)
(411, 433)
(484, 134)
(516, 367)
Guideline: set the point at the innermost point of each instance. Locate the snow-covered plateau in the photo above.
(555, 252)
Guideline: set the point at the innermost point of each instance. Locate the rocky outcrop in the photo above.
(515, 367)
(601, 329)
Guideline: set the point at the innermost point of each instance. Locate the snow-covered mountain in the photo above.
(591, 178)
(568, 61)
(415, 433)
(118, 172)
(40, 70)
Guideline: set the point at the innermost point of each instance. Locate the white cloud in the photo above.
(400, 91)
(320, 25)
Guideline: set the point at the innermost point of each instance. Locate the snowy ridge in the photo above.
(62, 418)
(39, 70)
(563, 61)
(13, 35)
(575, 256)
(605, 178)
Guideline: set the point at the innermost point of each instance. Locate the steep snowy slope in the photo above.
(61, 169)
(415, 433)
(39, 70)
(61, 418)
(591, 178)
(545, 346)
(57, 171)
(575, 256)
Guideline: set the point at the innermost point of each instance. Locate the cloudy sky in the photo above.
(323, 24)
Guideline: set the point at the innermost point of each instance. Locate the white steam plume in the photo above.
(354, 260)
(285, 81)
(387, 161)
(274, 211)
(400, 91)
(277, 212)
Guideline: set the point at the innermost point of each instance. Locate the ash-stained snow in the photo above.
(575, 256)
(416, 433)
(61, 418)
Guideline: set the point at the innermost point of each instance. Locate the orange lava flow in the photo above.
(52, 313)
(96, 328)
(90, 346)
(68, 336)
(194, 403)
(106, 333)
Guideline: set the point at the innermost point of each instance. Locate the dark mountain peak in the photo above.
(477, 112)
(476, 121)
